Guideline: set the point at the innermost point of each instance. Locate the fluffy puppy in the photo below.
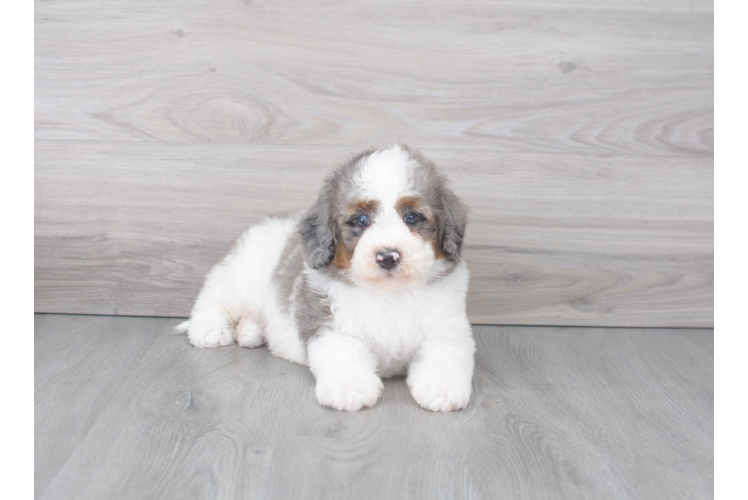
(368, 283)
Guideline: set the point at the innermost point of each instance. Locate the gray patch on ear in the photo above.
(318, 226)
(450, 212)
(453, 229)
(318, 233)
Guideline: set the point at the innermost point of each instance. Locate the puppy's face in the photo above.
(386, 220)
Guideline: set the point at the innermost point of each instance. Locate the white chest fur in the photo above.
(393, 324)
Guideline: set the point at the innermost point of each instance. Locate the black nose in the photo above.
(388, 259)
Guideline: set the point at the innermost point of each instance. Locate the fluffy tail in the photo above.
(182, 327)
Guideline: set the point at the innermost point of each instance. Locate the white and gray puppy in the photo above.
(368, 283)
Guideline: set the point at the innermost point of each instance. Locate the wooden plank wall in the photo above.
(580, 133)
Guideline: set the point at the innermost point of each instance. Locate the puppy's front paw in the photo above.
(210, 335)
(440, 395)
(349, 393)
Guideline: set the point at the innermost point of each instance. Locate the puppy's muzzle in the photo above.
(388, 258)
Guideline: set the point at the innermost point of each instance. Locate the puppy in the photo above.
(368, 283)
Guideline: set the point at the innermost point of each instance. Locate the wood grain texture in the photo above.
(556, 413)
(133, 228)
(80, 364)
(581, 77)
(580, 133)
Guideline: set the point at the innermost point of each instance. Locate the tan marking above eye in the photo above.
(415, 204)
(368, 206)
(360, 207)
(426, 231)
(405, 202)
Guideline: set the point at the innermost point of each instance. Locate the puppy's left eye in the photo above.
(411, 218)
(362, 221)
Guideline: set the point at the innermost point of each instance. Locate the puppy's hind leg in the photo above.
(249, 331)
(210, 328)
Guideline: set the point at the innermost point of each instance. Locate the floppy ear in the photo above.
(453, 224)
(318, 233)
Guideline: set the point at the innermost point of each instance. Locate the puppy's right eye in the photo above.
(411, 218)
(362, 221)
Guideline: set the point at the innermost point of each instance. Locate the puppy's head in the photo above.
(386, 220)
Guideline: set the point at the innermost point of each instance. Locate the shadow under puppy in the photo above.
(368, 283)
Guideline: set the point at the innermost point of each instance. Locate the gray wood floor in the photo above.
(126, 409)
